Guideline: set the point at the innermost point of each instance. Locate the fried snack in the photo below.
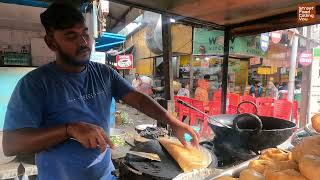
(309, 166)
(261, 165)
(226, 178)
(289, 174)
(187, 158)
(309, 145)
(250, 174)
(275, 154)
(283, 165)
(316, 122)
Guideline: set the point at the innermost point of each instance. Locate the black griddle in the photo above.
(168, 168)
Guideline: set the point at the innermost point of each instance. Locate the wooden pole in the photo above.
(225, 65)
(167, 56)
(191, 73)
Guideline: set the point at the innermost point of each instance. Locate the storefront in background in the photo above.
(208, 46)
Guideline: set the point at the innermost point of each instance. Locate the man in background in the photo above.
(136, 82)
(201, 92)
(146, 85)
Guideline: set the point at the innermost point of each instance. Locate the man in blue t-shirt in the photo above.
(61, 110)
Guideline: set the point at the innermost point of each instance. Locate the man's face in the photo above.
(137, 76)
(73, 45)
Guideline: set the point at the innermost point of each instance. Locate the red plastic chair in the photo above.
(282, 109)
(183, 110)
(234, 99)
(214, 108)
(196, 115)
(247, 98)
(176, 104)
(216, 96)
(247, 108)
(232, 109)
(265, 106)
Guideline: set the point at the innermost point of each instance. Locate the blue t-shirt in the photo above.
(47, 97)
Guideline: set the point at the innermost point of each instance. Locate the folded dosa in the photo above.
(187, 158)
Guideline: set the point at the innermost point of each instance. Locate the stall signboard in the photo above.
(99, 57)
(124, 61)
(276, 36)
(316, 53)
(305, 58)
(210, 42)
(264, 41)
(255, 61)
(205, 64)
(267, 70)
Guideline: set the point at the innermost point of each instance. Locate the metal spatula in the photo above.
(151, 156)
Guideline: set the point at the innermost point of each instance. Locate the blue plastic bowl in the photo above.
(187, 136)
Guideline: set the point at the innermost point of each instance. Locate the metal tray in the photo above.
(233, 171)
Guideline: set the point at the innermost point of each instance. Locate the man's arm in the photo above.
(152, 109)
(32, 140)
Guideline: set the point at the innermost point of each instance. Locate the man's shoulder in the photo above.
(37, 74)
(99, 66)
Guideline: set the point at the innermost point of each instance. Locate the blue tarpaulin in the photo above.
(109, 40)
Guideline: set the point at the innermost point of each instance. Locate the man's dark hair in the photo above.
(207, 76)
(184, 85)
(60, 16)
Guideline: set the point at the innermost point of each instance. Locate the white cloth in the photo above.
(147, 80)
(136, 83)
(184, 92)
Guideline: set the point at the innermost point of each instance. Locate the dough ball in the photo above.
(275, 154)
(261, 165)
(250, 174)
(289, 174)
(309, 166)
(316, 122)
(309, 145)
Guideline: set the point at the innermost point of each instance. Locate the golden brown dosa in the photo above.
(187, 158)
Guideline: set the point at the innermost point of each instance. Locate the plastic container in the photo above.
(117, 137)
(187, 136)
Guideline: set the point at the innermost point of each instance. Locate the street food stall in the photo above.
(233, 148)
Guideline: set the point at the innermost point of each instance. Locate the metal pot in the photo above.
(274, 132)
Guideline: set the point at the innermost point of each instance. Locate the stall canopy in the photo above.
(242, 17)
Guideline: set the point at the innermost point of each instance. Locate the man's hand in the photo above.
(89, 135)
(179, 129)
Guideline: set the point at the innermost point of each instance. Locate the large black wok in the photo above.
(274, 131)
(248, 131)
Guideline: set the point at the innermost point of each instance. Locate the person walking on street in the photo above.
(184, 91)
(272, 91)
(201, 92)
(136, 82)
(256, 90)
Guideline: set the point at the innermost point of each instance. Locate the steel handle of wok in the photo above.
(247, 102)
(195, 109)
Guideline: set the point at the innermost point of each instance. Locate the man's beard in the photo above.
(71, 61)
